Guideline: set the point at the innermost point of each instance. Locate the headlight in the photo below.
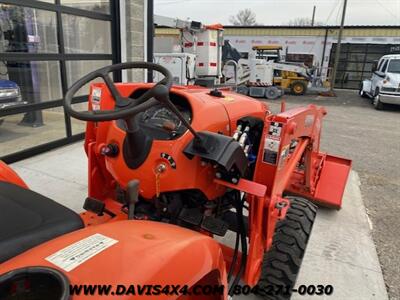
(9, 93)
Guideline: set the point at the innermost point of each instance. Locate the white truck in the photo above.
(181, 65)
(384, 85)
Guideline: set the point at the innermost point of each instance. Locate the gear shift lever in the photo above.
(132, 190)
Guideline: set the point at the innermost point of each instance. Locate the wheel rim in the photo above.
(298, 89)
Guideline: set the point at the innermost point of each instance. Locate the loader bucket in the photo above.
(332, 181)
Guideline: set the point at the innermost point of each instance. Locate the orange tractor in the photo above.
(170, 168)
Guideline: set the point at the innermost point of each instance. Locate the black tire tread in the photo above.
(282, 262)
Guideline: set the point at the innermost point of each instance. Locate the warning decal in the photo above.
(96, 96)
(272, 143)
(74, 255)
(275, 129)
(271, 149)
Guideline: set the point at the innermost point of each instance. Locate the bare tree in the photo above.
(245, 17)
(303, 22)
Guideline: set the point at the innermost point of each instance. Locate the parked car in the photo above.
(384, 85)
(10, 94)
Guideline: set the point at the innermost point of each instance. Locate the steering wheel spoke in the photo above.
(113, 89)
(146, 95)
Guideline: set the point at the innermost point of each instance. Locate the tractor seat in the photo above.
(28, 219)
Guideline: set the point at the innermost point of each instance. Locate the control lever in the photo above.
(132, 190)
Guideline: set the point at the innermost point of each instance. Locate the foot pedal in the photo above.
(191, 215)
(215, 226)
(95, 206)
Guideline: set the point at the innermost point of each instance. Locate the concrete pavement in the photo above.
(340, 252)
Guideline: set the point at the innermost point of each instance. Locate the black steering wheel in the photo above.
(124, 107)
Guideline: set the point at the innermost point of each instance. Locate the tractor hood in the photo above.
(238, 106)
(126, 253)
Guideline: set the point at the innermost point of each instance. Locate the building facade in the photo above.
(316, 46)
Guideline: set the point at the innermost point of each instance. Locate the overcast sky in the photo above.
(279, 12)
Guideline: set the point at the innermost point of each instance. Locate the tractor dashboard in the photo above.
(162, 124)
(159, 122)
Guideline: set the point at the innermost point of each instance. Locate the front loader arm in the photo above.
(290, 161)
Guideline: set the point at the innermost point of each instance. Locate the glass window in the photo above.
(342, 55)
(353, 76)
(94, 35)
(368, 67)
(342, 65)
(339, 76)
(343, 47)
(37, 81)
(373, 56)
(22, 131)
(354, 66)
(380, 63)
(378, 48)
(357, 47)
(78, 126)
(31, 60)
(351, 85)
(394, 66)
(101, 6)
(384, 66)
(30, 30)
(356, 57)
(77, 69)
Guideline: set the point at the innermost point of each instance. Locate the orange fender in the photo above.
(146, 252)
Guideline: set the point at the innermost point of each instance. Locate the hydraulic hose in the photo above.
(242, 230)
(234, 258)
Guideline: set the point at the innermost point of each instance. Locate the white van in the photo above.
(384, 85)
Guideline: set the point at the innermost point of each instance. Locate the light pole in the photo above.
(313, 16)
(337, 53)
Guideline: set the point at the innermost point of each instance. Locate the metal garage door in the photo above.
(356, 61)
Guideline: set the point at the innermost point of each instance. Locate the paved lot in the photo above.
(371, 139)
(341, 250)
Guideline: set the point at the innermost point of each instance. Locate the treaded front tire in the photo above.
(282, 262)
